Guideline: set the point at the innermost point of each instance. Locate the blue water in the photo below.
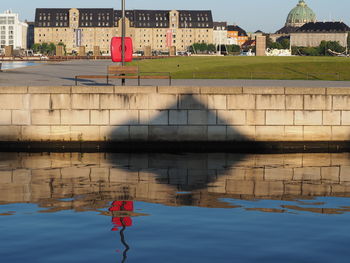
(15, 65)
(64, 213)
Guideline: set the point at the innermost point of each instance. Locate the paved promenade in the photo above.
(62, 74)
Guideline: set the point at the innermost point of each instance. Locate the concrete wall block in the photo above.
(13, 102)
(85, 133)
(154, 117)
(178, 117)
(270, 133)
(294, 102)
(92, 90)
(49, 90)
(75, 117)
(192, 133)
(270, 102)
(341, 102)
(330, 174)
(12, 90)
(221, 90)
(46, 117)
(307, 174)
(201, 117)
(263, 90)
(217, 133)
(139, 102)
(86, 101)
(163, 133)
(5, 177)
(241, 133)
(178, 90)
(193, 102)
(345, 117)
(317, 133)
(114, 101)
(124, 117)
(240, 187)
(60, 133)
(308, 118)
(331, 117)
(312, 189)
(99, 117)
(301, 90)
(338, 91)
(5, 117)
(60, 101)
(279, 117)
(340, 133)
(231, 117)
(293, 189)
(217, 102)
(263, 188)
(35, 133)
(162, 102)
(317, 102)
(293, 133)
(10, 133)
(135, 89)
(139, 133)
(21, 117)
(279, 174)
(115, 133)
(40, 101)
(21, 176)
(255, 117)
(345, 173)
(241, 102)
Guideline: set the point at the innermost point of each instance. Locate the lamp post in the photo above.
(123, 32)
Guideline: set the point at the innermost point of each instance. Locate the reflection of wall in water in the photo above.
(92, 180)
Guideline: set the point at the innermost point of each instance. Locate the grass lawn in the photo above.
(316, 68)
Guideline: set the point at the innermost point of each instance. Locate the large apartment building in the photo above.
(13, 32)
(158, 29)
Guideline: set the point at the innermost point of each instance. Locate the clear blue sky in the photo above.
(266, 15)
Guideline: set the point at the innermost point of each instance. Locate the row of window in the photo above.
(7, 20)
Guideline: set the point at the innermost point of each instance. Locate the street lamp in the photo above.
(123, 33)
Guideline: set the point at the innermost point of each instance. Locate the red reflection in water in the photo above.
(121, 206)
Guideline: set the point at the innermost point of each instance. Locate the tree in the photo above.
(327, 46)
(233, 48)
(36, 48)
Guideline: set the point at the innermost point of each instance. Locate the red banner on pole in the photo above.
(169, 38)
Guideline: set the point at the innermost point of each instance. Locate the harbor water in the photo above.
(102, 207)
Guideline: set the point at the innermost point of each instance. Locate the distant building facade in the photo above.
(158, 29)
(297, 17)
(13, 32)
(312, 34)
(220, 36)
(236, 35)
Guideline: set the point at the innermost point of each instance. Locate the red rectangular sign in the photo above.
(116, 49)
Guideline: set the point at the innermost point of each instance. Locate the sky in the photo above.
(252, 15)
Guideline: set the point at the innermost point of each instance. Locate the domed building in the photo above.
(300, 15)
(297, 17)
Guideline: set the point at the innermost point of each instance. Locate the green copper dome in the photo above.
(300, 15)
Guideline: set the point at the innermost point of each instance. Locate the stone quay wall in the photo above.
(150, 113)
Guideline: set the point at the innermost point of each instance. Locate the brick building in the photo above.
(158, 29)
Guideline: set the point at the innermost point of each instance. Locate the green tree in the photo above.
(51, 49)
(233, 48)
(36, 48)
(285, 43)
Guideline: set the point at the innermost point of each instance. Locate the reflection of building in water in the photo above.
(98, 179)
